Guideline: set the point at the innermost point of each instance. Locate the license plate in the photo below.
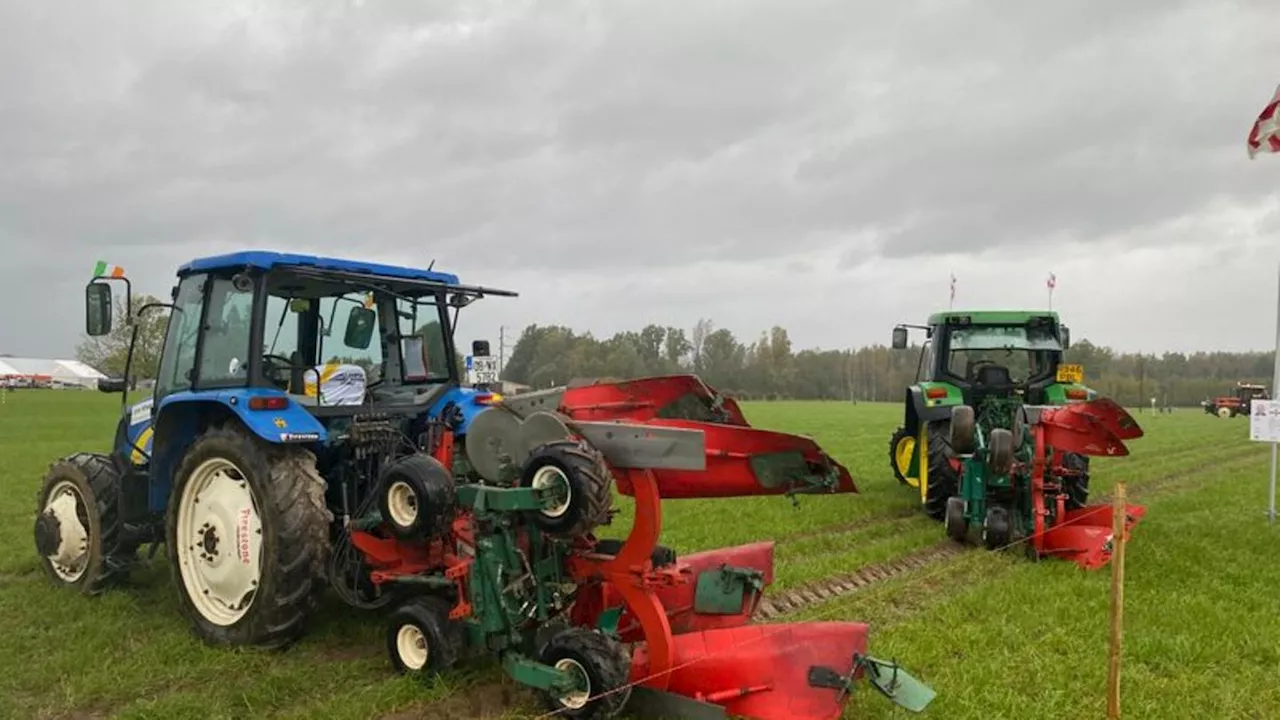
(1070, 373)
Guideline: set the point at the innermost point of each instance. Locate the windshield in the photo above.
(1025, 352)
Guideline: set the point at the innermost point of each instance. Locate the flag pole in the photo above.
(1275, 385)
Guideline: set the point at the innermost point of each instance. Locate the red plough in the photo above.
(682, 628)
(1095, 428)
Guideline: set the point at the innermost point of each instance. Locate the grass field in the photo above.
(995, 635)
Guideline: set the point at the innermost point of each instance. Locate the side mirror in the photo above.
(899, 338)
(360, 325)
(97, 309)
(1064, 334)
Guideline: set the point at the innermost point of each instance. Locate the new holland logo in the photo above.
(280, 423)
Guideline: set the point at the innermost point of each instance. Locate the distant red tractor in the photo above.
(1229, 406)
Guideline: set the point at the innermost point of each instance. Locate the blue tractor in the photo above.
(287, 386)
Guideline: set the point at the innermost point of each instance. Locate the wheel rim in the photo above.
(578, 698)
(402, 503)
(411, 646)
(551, 477)
(65, 504)
(219, 539)
(902, 459)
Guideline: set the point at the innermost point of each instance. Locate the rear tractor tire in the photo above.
(421, 639)
(78, 532)
(417, 497)
(247, 535)
(902, 446)
(584, 486)
(944, 479)
(602, 666)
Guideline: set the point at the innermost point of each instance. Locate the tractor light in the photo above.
(1077, 394)
(488, 398)
(935, 393)
(262, 402)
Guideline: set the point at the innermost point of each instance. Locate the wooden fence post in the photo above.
(1118, 508)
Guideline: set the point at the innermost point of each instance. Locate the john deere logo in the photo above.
(280, 423)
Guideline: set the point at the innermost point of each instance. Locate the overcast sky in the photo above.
(824, 166)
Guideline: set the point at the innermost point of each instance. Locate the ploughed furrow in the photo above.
(821, 591)
(795, 599)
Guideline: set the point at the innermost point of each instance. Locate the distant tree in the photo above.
(107, 354)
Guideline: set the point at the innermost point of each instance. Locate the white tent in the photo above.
(60, 372)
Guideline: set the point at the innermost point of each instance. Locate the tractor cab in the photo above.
(292, 348)
(991, 354)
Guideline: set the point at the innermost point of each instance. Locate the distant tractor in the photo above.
(998, 431)
(968, 358)
(1229, 406)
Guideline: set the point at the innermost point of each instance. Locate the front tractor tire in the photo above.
(902, 446)
(578, 476)
(247, 535)
(78, 532)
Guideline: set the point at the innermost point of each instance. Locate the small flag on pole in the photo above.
(953, 289)
(1264, 136)
(1051, 283)
(104, 270)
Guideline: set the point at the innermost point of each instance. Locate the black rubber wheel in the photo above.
(995, 531)
(944, 481)
(417, 496)
(581, 470)
(1000, 451)
(421, 639)
(956, 524)
(897, 438)
(602, 662)
(962, 429)
(293, 557)
(1077, 484)
(90, 484)
(660, 557)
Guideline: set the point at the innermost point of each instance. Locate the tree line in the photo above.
(770, 368)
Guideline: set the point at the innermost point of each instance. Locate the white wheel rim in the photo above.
(71, 559)
(548, 477)
(578, 698)
(402, 503)
(411, 645)
(219, 539)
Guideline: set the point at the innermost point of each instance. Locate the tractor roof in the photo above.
(267, 260)
(994, 317)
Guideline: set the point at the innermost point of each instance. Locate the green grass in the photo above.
(996, 636)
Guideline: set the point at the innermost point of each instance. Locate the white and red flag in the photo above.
(953, 288)
(1052, 282)
(1264, 136)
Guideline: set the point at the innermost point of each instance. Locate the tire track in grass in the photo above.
(825, 590)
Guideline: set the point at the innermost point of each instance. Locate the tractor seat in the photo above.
(994, 376)
(340, 384)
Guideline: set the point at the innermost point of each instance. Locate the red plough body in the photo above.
(1095, 428)
(741, 461)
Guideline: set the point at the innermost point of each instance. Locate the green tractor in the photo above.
(986, 365)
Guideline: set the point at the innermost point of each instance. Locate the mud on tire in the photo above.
(288, 493)
(944, 481)
(582, 469)
(423, 624)
(605, 664)
(95, 484)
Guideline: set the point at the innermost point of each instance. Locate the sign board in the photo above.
(1264, 421)
(482, 370)
(1070, 373)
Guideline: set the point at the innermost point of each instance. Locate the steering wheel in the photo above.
(273, 368)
